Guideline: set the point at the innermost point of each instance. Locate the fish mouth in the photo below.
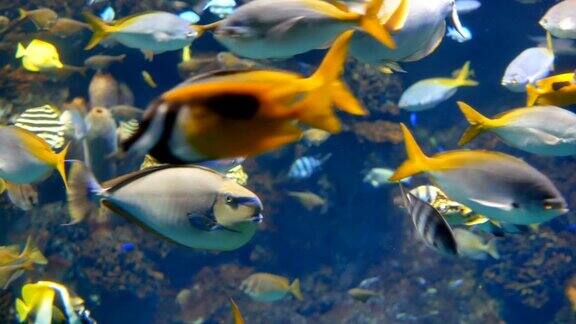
(257, 219)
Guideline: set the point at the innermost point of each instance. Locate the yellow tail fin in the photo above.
(478, 123)
(236, 314)
(60, 165)
(20, 51)
(532, 95)
(462, 79)
(295, 289)
(99, 28)
(416, 162)
(32, 251)
(22, 14)
(22, 310)
(327, 89)
(371, 24)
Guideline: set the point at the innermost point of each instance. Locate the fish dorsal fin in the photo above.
(283, 27)
(122, 21)
(396, 22)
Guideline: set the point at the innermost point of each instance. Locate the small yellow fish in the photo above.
(558, 90)
(315, 136)
(13, 265)
(236, 315)
(309, 200)
(148, 79)
(361, 294)
(266, 287)
(39, 56)
(38, 304)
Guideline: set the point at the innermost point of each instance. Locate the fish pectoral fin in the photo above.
(206, 224)
(545, 137)
(493, 204)
(284, 26)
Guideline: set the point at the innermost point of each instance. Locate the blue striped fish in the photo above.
(46, 123)
(306, 166)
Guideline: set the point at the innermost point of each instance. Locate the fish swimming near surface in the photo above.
(306, 166)
(101, 143)
(231, 114)
(543, 130)
(557, 90)
(496, 185)
(560, 19)
(531, 65)
(283, 28)
(14, 264)
(473, 246)
(429, 224)
(38, 56)
(268, 288)
(26, 158)
(429, 93)
(151, 32)
(190, 205)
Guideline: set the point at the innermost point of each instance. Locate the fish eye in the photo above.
(547, 205)
(515, 205)
(229, 200)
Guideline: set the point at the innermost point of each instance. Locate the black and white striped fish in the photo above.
(431, 227)
(306, 166)
(46, 123)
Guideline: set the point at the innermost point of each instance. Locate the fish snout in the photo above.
(255, 204)
(556, 204)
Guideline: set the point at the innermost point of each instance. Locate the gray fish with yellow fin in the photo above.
(13, 264)
(193, 206)
(268, 288)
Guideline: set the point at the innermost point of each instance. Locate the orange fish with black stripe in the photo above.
(244, 113)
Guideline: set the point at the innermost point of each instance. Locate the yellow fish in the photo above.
(14, 264)
(39, 56)
(149, 80)
(557, 90)
(38, 304)
(266, 287)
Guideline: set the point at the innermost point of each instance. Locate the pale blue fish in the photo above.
(420, 35)
(378, 177)
(456, 36)
(473, 246)
(429, 93)
(560, 19)
(108, 14)
(220, 8)
(466, 6)
(531, 65)
(190, 16)
(306, 166)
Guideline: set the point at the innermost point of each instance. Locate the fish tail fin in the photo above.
(32, 251)
(398, 19)
(295, 289)
(416, 162)
(83, 194)
(61, 165)
(22, 310)
(3, 186)
(20, 51)
(492, 249)
(463, 76)
(532, 95)
(22, 14)
(201, 29)
(325, 88)
(370, 23)
(478, 123)
(99, 28)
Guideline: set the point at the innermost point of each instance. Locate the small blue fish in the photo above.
(190, 16)
(413, 119)
(453, 34)
(455, 284)
(306, 166)
(108, 14)
(466, 6)
(127, 247)
(220, 8)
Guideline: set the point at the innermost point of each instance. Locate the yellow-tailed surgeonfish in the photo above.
(26, 158)
(38, 56)
(429, 224)
(101, 143)
(429, 93)
(268, 288)
(473, 246)
(557, 90)
(496, 185)
(151, 32)
(560, 20)
(543, 130)
(531, 65)
(244, 113)
(283, 28)
(190, 205)
(417, 26)
(13, 264)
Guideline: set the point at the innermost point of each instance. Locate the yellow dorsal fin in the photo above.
(396, 22)
(416, 162)
(462, 78)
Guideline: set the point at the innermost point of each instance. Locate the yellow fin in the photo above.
(32, 252)
(22, 14)
(478, 123)
(476, 220)
(370, 23)
(236, 314)
(396, 22)
(416, 162)
(462, 79)
(295, 289)
(186, 53)
(3, 186)
(532, 95)
(22, 310)
(60, 165)
(20, 51)
(99, 28)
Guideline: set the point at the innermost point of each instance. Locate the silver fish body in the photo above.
(17, 164)
(560, 20)
(530, 66)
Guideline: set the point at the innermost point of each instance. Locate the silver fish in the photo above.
(560, 20)
(530, 66)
